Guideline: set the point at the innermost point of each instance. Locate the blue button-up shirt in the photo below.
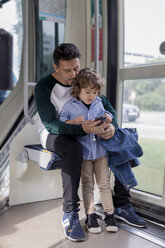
(74, 108)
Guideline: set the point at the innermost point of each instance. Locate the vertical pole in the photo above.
(96, 60)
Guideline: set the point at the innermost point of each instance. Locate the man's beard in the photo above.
(70, 81)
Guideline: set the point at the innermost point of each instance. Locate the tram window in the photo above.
(147, 96)
(12, 22)
(50, 34)
(144, 31)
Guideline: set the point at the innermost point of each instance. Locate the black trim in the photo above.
(15, 125)
(56, 25)
(12, 129)
(112, 51)
(149, 210)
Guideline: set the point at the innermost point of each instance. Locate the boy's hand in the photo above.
(77, 120)
(108, 117)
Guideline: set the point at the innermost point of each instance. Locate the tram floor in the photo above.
(38, 225)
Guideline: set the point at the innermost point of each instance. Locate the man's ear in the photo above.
(55, 67)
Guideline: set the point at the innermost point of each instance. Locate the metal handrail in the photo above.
(26, 65)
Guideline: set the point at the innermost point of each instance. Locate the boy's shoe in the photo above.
(127, 214)
(110, 223)
(92, 224)
(72, 227)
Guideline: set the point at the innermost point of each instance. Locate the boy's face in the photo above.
(88, 95)
(67, 70)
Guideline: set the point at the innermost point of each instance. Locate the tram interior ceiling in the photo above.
(6, 60)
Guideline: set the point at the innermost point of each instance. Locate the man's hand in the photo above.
(91, 126)
(105, 130)
(108, 132)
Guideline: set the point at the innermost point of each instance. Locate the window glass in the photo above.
(144, 109)
(50, 33)
(11, 21)
(144, 31)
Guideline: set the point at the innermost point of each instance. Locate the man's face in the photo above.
(67, 70)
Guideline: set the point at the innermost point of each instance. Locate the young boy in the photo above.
(86, 105)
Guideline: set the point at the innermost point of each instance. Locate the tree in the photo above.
(150, 94)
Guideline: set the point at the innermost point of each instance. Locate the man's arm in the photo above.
(112, 127)
(109, 108)
(47, 112)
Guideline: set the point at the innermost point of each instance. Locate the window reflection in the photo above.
(11, 21)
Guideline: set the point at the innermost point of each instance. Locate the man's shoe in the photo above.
(92, 224)
(72, 227)
(110, 223)
(127, 214)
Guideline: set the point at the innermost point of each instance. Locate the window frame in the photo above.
(132, 73)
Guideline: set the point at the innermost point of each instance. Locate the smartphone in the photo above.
(101, 118)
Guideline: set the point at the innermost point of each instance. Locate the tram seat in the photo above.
(47, 160)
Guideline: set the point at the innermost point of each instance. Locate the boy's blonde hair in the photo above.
(87, 77)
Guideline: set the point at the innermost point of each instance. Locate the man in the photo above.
(51, 93)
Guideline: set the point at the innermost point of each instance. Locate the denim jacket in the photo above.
(123, 151)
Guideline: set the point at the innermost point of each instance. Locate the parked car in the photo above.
(130, 112)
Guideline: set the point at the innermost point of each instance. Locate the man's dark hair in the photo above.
(65, 51)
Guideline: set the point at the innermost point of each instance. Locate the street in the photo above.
(149, 125)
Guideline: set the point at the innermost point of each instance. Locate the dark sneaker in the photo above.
(110, 223)
(127, 214)
(72, 227)
(92, 224)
